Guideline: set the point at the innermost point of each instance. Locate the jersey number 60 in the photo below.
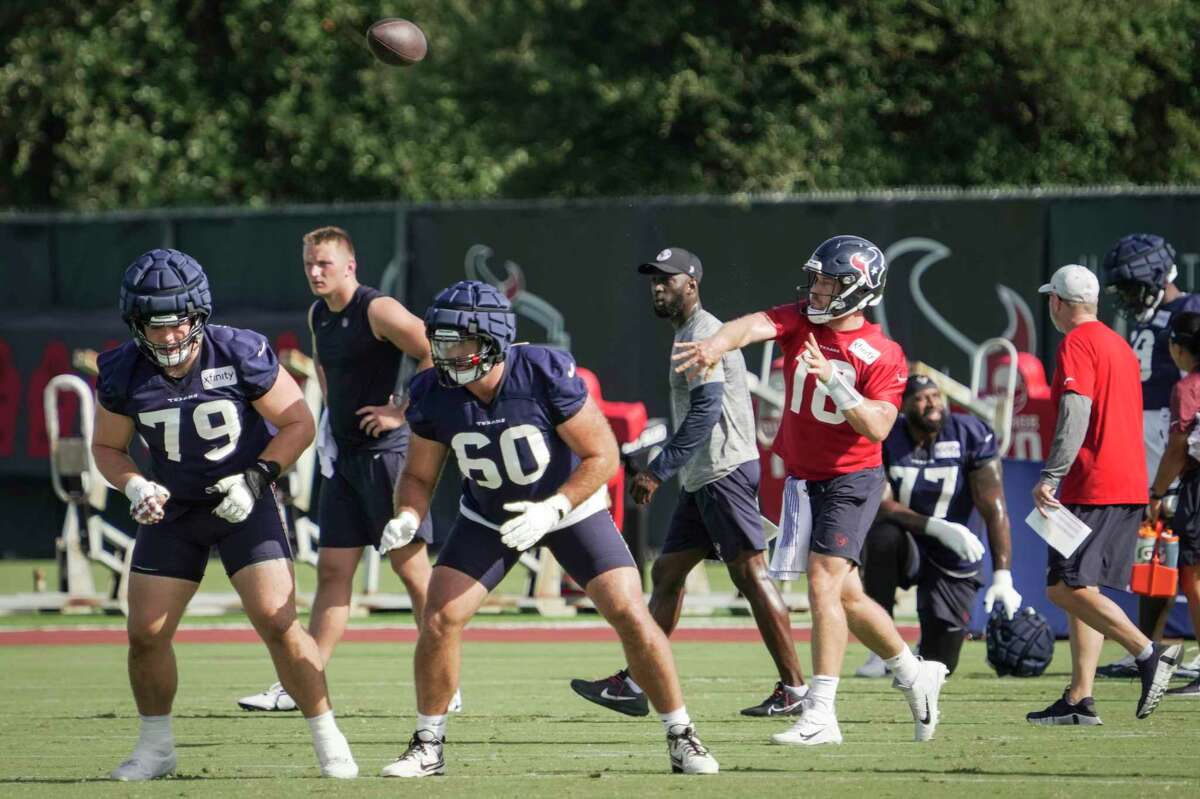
(483, 471)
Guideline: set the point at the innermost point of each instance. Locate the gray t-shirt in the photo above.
(732, 442)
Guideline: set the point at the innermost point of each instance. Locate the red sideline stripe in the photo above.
(508, 635)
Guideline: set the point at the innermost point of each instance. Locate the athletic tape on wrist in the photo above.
(844, 395)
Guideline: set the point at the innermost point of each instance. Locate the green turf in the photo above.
(69, 719)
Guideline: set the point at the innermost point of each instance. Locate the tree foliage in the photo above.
(134, 103)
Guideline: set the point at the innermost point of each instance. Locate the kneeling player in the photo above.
(939, 465)
(536, 454)
(205, 398)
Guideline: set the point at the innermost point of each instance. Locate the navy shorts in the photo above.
(1106, 556)
(843, 510)
(356, 503)
(179, 545)
(721, 517)
(1186, 523)
(946, 597)
(587, 548)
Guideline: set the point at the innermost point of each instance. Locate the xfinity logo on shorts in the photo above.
(947, 449)
(218, 378)
(864, 351)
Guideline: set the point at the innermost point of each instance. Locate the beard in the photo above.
(922, 422)
(668, 309)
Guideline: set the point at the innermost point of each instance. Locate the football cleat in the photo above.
(1189, 670)
(813, 729)
(873, 668)
(613, 693)
(922, 698)
(422, 758)
(688, 755)
(1192, 690)
(144, 766)
(781, 702)
(341, 767)
(1062, 712)
(1125, 668)
(274, 698)
(1156, 672)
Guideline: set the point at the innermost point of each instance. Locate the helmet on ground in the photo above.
(470, 327)
(1022, 647)
(1137, 270)
(857, 267)
(166, 288)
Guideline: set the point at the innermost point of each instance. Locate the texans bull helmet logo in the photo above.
(870, 263)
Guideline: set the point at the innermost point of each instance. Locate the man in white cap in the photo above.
(1096, 465)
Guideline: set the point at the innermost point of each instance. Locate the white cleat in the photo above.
(455, 702)
(422, 758)
(688, 755)
(341, 767)
(144, 766)
(922, 698)
(274, 698)
(813, 729)
(874, 668)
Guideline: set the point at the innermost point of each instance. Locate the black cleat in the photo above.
(779, 703)
(1063, 712)
(1123, 669)
(1192, 690)
(613, 693)
(1156, 672)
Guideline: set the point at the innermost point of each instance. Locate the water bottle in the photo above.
(1169, 551)
(1144, 550)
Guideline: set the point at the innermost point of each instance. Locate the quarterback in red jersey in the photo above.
(844, 382)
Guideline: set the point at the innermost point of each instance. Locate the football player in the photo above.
(844, 380)
(939, 465)
(221, 420)
(359, 338)
(715, 453)
(536, 455)
(1140, 273)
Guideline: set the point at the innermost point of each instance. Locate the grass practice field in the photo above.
(69, 719)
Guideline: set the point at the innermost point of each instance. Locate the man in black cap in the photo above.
(715, 453)
(939, 466)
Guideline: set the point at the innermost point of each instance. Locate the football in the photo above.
(397, 42)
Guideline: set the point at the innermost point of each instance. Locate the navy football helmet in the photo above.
(1022, 647)
(1137, 270)
(470, 311)
(859, 268)
(166, 288)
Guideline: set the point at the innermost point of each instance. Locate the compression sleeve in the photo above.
(1074, 415)
(704, 411)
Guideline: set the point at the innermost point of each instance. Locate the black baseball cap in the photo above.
(673, 261)
(917, 383)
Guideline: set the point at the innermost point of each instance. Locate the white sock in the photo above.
(327, 739)
(678, 717)
(155, 734)
(633, 686)
(1140, 657)
(796, 691)
(822, 691)
(905, 666)
(435, 724)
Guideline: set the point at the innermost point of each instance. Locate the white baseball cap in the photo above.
(1073, 283)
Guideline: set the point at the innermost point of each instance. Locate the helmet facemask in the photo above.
(175, 353)
(1137, 300)
(460, 357)
(854, 295)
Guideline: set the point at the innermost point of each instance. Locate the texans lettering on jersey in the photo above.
(201, 427)
(815, 441)
(508, 450)
(1150, 341)
(934, 482)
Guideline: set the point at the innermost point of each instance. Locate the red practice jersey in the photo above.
(1110, 468)
(815, 441)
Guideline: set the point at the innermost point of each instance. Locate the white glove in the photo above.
(239, 500)
(535, 520)
(1002, 589)
(146, 500)
(399, 532)
(955, 537)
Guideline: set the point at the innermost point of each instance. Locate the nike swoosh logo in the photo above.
(772, 710)
(810, 737)
(928, 717)
(606, 695)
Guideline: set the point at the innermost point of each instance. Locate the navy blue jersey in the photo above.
(508, 449)
(935, 483)
(1149, 341)
(359, 370)
(201, 427)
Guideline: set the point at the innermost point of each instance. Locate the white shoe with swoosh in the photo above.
(922, 698)
(813, 729)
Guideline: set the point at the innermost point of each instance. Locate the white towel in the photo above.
(790, 558)
(326, 446)
(1193, 441)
